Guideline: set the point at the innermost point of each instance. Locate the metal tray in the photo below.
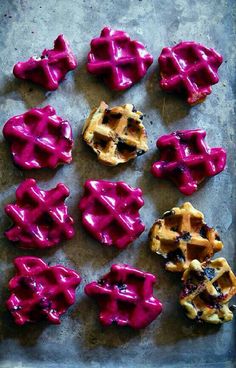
(27, 26)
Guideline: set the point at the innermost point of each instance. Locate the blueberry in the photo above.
(188, 288)
(203, 231)
(28, 282)
(168, 213)
(175, 256)
(209, 273)
(121, 286)
(179, 170)
(101, 282)
(44, 303)
(185, 236)
(16, 308)
(140, 152)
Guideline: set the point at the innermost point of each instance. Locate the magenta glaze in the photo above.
(39, 138)
(40, 218)
(125, 297)
(191, 68)
(49, 69)
(40, 292)
(119, 60)
(186, 159)
(110, 212)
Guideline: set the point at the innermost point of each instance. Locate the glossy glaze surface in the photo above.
(125, 297)
(39, 291)
(50, 68)
(110, 212)
(118, 59)
(186, 159)
(39, 138)
(40, 218)
(191, 68)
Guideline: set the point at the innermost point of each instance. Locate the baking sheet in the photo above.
(26, 28)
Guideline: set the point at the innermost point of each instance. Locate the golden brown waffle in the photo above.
(181, 236)
(117, 134)
(207, 289)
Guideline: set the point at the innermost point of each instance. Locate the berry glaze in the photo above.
(121, 61)
(50, 68)
(40, 292)
(191, 68)
(110, 212)
(125, 297)
(186, 159)
(40, 218)
(39, 138)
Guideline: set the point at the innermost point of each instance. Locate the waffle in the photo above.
(181, 236)
(40, 292)
(207, 290)
(50, 68)
(117, 135)
(110, 212)
(119, 60)
(191, 68)
(186, 159)
(39, 138)
(125, 297)
(40, 218)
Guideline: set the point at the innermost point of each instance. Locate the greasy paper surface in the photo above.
(29, 26)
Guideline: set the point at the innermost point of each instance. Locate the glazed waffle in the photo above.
(181, 236)
(119, 60)
(39, 138)
(186, 159)
(116, 135)
(40, 292)
(50, 68)
(40, 218)
(125, 297)
(110, 212)
(191, 68)
(207, 289)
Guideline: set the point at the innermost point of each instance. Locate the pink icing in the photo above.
(125, 297)
(110, 212)
(39, 138)
(118, 59)
(40, 218)
(186, 159)
(40, 292)
(191, 68)
(49, 69)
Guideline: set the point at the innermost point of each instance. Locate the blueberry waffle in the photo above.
(181, 236)
(207, 290)
(117, 135)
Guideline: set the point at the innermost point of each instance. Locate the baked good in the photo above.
(187, 160)
(120, 61)
(40, 217)
(181, 236)
(189, 68)
(207, 290)
(110, 212)
(117, 135)
(125, 297)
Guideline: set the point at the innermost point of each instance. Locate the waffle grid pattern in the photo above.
(125, 297)
(40, 218)
(40, 292)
